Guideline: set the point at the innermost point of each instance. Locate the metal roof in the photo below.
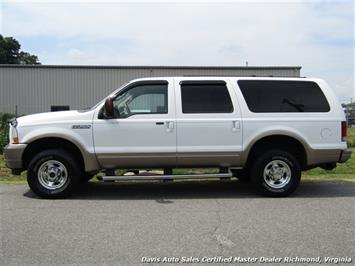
(150, 67)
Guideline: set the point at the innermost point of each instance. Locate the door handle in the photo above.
(236, 126)
(170, 124)
(159, 123)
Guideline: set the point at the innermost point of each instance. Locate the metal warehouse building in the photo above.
(31, 89)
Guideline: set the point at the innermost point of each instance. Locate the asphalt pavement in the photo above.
(187, 223)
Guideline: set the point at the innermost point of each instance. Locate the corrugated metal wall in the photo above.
(35, 89)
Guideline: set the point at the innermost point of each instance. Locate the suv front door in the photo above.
(142, 132)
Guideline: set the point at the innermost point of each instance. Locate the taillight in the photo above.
(344, 127)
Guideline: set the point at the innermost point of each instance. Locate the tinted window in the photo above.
(264, 96)
(205, 98)
(142, 99)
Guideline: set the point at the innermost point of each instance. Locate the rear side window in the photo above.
(205, 97)
(268, 96)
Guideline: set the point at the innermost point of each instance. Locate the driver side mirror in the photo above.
(108, 108)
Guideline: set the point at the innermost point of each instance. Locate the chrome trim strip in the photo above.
(162, 177)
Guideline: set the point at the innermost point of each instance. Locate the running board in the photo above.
(164, 177)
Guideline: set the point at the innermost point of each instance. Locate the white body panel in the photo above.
(55, 124)
(209, 139)
(318, 130)
(137, 139)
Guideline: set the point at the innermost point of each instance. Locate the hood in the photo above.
(54, 118)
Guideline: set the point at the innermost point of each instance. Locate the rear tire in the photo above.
(53, 174)
(276, 173)
(243, 175)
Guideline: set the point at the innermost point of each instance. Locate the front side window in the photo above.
(271, 96)
(142, 99)
(205, 97)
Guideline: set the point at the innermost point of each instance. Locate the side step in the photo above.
(165, 177)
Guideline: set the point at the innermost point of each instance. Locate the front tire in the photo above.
(86, 177)
(53, 174)
(276, 173)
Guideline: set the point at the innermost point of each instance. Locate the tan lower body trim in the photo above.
(316, 157)
(160, 160)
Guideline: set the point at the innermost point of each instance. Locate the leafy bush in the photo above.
(351, 137)
(4, 130)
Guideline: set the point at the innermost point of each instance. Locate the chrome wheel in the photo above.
(277, 174)
(52, 174)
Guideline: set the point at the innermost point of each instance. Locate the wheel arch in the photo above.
(87, 161)
(287, 142)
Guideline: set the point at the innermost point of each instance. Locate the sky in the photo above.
(317, 35)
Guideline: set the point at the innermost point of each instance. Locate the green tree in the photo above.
(10, 53)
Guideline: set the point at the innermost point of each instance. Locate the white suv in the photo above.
(266, 130)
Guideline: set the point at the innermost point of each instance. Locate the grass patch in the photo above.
(14, 179)
(351, 137)
(187, 171)
(6, 177)
(328, 178)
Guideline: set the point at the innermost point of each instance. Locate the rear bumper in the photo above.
(13, 155)
(344, 156)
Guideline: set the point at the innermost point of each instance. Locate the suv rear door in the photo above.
(209, 128)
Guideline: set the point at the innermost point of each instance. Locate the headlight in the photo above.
(13, 135)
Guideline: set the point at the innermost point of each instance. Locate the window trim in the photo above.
(136, 84)
(205, 82)
(141, 83)
(264, 80)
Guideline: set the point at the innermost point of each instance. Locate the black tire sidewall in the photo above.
(243, 175)
(258, 172)
(58, 155)
(85, 178)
